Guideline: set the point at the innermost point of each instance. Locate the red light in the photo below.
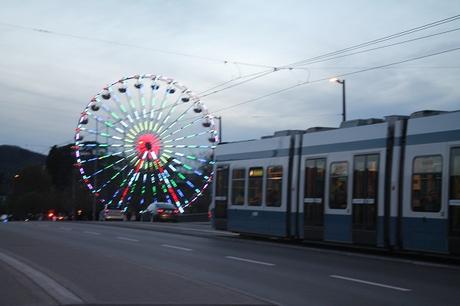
(50, 215)
(176, 211)
(209, 215)
(160, 210)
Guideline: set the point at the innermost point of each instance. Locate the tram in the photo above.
(391, 183)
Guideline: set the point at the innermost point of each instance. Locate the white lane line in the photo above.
(204, 231)
(176, 247)
(369, 283)
(91, 233)
(61, 294)
(250, 260)
(128, 239)
(194, 229)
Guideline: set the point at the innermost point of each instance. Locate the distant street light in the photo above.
(342, 82)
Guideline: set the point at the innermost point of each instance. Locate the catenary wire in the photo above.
(328, 78)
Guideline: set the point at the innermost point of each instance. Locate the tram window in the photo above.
(274, 186)
(365, 175)
(338, 185)
(359, 178)
(255, 185)
(314, 178)
(455, 174)
(238, 182)
(426, 183)
(222, 181)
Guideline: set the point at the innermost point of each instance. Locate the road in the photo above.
(51, 263)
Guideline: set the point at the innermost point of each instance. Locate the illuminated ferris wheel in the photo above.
(145, 139)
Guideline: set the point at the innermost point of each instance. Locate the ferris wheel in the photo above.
(144, 139)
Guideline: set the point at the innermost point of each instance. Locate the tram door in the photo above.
(315, 170)
(365, 187)
(454, 202)
(221, 197)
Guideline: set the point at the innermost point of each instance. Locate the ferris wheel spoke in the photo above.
(106, 123)
(132, 114)
(187, 136)
(121, 187)
(116, 99)
(182, 146)
(179, 119)
(108, 166)
(98, 104)
(102, 134)
(190, 157)
(188, 182)
(110, 180)
(89, 145)
(169, 185)
(196, 171)
(172, 107)
(138, 165)
(189, 124)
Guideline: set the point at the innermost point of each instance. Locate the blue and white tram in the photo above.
(392, 183)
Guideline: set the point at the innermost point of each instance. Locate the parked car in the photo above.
(111, 214)
(160, 211)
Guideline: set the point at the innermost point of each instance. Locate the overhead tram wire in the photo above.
(272, 69)
(384, 46)
(267, 72)
(338, 76)
(113, 42)
(379, 40)
(334, 54)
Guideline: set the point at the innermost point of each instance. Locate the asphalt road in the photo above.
(49, 263)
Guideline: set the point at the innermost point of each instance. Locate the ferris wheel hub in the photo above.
(148, 143)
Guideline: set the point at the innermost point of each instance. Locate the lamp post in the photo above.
(342, 82)
(220, 127)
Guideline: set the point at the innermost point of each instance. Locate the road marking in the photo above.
(250, 260)
(176, 247)
(128, 239)
(92, 233)
(369, 283)
(193, 229)
(61, 294)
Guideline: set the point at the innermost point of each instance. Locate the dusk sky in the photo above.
(56, 55)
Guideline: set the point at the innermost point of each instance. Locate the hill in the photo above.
(13, 159)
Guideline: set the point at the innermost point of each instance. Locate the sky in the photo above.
(56, 55)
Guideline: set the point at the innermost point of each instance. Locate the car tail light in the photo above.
(176, 211)
(160, 210)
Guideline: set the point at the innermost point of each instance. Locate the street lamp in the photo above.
(342, 82)
(220, 127)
